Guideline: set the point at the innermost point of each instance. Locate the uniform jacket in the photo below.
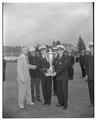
(61, 67)
(89, 67)
(43, 65)
(22, 69)
(82, 60)
(34, 60)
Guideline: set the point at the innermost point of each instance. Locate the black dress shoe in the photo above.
(62, 104)
(39, 100)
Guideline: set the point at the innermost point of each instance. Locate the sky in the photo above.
(33, 23)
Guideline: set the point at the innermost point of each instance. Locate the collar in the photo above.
(60, 56)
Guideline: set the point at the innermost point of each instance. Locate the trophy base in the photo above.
(50, 72)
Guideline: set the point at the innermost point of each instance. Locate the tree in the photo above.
(81, 44)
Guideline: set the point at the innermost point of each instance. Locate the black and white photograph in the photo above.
(48, 60)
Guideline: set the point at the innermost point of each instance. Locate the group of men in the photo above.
(32, 69)
(36, 66)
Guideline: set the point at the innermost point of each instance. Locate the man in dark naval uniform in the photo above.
(35, 78)
(46, 81)
(71, 65)
(61, 67)
(82, 62)
(90, 73)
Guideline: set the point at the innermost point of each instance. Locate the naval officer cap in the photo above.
(42, 48)
(31, 49)
(60, 47)
(90, 44)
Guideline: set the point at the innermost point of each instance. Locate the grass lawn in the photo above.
(78, 99)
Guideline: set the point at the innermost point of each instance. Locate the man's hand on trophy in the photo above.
(51, 74)
(46, 75)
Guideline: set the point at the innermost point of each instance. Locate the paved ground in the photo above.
(78, 102)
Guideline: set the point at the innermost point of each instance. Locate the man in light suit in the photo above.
(23, 78)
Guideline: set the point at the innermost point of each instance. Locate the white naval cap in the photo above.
(42, 47)
(90, 44)
(60, 47)
(31, 49)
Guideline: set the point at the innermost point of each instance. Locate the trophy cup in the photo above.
(50, 71)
